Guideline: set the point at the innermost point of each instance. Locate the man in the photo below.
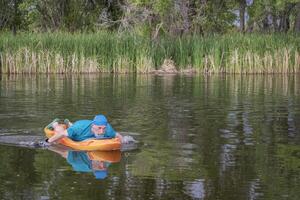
(85, 129)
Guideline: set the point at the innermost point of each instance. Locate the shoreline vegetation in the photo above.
(110, 52)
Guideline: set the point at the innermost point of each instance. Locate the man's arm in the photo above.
(58, 134)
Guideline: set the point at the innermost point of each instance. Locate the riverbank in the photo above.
(126, 53)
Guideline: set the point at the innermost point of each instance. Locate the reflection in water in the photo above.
(195, 189)
(96, 162)
(247, 129)
(255, 190)
(202, 137)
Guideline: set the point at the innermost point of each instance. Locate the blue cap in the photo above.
(100, 120)
(100, 174)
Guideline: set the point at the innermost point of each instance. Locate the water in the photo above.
(202, 137)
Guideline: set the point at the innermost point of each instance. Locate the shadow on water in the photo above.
(203, 137)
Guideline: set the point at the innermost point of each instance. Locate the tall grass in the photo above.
(125, 53)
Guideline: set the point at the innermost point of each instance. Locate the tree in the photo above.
(297, 18)
(5, 14)
(70, 15)
(10, 16)
(242, 11)
(151, 17)
(272, 15)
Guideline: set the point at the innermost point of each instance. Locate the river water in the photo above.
(201, 137)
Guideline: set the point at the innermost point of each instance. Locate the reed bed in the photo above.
(127, 53)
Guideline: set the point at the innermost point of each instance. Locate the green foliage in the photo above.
(140, 2)
(162, 7)
(112, 52)
(273, 15)
(155, 18)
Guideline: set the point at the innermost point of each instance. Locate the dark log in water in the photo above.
(32, 141)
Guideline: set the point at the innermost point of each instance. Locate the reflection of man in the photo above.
(96, 162)
(81, 162)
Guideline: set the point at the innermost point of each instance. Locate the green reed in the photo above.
(126, 53)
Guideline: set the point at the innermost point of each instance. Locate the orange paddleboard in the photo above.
(89, 144)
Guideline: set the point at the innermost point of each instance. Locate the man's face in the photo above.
(58, 127)
(98, 165)
(98, 130)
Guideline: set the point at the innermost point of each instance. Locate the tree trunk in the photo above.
(284, 23)
(15, 17)
(242, 11)
(297, 19)
(285, 17)
(185, 15)
(178, 29)
(265, 24)
(276, 23)
(0, 64)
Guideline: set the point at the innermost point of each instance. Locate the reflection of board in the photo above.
(22, 140)
(108, 156)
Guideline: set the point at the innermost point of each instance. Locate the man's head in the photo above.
(99, 125)
(99, 169)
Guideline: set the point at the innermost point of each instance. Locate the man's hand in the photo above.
(44, 143)
(118, 135)
(128, 139)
